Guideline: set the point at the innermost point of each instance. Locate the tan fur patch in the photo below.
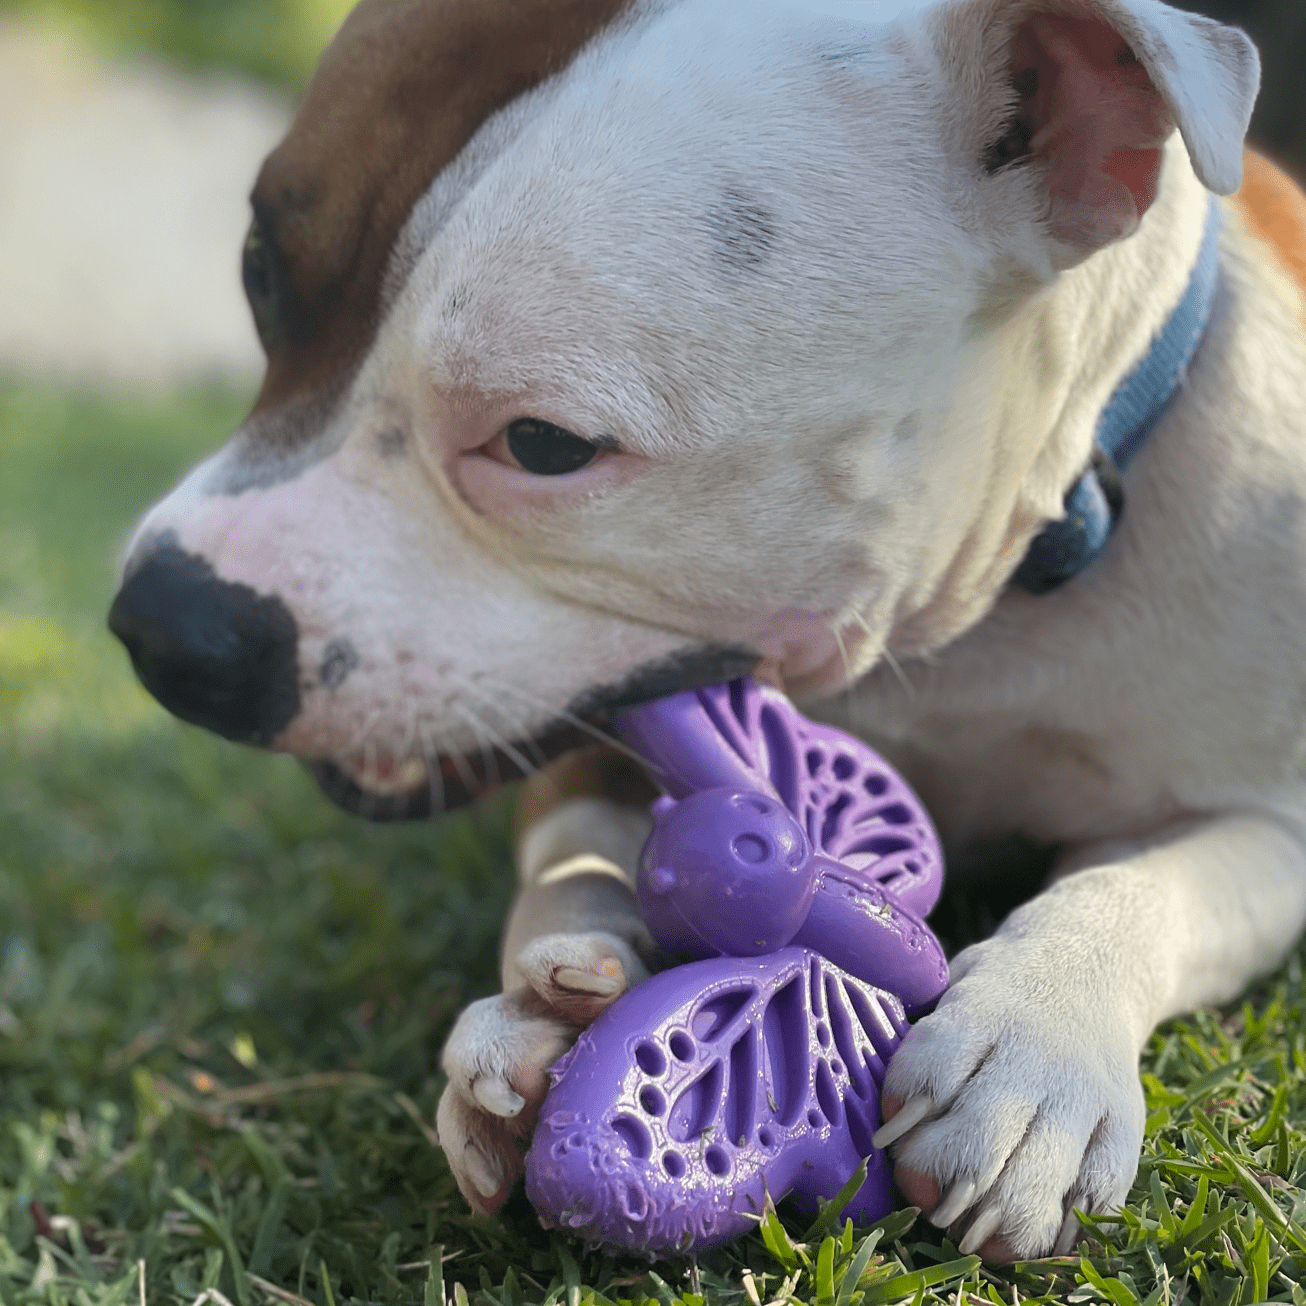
(1274, 209)
(598, 771)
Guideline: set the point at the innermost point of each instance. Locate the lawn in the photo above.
(221, 1004)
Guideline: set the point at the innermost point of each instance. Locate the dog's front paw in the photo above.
(498, 1055)
(1014, 1103)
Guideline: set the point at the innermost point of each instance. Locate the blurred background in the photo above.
(192, 943)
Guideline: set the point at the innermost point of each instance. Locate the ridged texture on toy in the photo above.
(706, 1087)
(851, 803)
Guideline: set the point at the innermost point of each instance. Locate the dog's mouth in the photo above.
(380, 787)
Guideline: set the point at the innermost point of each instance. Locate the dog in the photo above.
(621, 346)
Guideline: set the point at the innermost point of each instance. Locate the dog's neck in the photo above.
(1038, 377)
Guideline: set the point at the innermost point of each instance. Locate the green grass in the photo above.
(221, 1004)
(277, 40)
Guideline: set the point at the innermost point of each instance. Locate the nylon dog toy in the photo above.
(792, 869)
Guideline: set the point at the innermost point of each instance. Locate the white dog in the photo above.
(616, 347)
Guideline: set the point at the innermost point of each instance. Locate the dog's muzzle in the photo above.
(213, 653)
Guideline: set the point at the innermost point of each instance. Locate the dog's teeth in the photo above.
(482, 1171)
(586, 981)
(986, 1225)
(910, 1114)
(410, 773)
(497, 1097)
(956, 1204)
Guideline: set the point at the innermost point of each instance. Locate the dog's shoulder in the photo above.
(1273, 210)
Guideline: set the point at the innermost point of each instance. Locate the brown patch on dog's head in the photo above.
(397, 95)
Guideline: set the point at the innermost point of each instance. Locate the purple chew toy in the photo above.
(785, 831)
(714, 1080)
(745, 1076)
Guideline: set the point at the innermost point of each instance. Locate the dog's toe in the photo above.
(577, 976)
(1011, 1114)
(497, 1060)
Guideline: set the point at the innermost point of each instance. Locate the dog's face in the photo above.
(676, 363)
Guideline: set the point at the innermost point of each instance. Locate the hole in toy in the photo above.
(696, 1107)
(875, 1068)
(823, 1034)
(576, 1141)
(815, 1118)
(711, 1019)
(844, 766)
(717, 1160)
(876, 785)
(681, 1045)
(739, 702)
(674, 1164)
(634, 1202)
(836, 1067)
(813, 759)
(635, 1137)
(651, 1100)
(882, 845)
(780, 757)
(815, 975)
(750, 848)
(830, 825)
(741, 1091)
(649, 1058)
(827, 1094)
(860, 1129)
(896, 814)
(765, 1137)
(718, 708)
(841, 1019)
(784, 1030)
(875, 1021)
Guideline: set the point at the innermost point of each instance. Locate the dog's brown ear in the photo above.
(397, 95)
(1100, 87)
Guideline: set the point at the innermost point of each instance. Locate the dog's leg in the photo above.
(574, 942)
(1018, 1099)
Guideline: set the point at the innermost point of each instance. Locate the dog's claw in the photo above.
(497, 1097)
(909, 1115)
(586, 981)
(986, 1224)
(1068, 1236)
(954, 1205)
(482, 1171)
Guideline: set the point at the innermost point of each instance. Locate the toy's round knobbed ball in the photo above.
(725, 871)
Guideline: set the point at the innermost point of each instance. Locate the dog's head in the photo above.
(620, 345)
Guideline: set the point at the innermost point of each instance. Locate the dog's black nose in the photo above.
(216, 654)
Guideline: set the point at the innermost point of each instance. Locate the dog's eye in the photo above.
(547, 450)
(256, 272)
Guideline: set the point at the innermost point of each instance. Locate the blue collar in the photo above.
(1095, 501)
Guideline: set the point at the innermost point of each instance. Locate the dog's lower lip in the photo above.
(416, 787)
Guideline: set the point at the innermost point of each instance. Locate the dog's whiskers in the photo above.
(518, 728)
(850, 688)
(896, 667)
(434, 776)
(523, 764)
(562, 714)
